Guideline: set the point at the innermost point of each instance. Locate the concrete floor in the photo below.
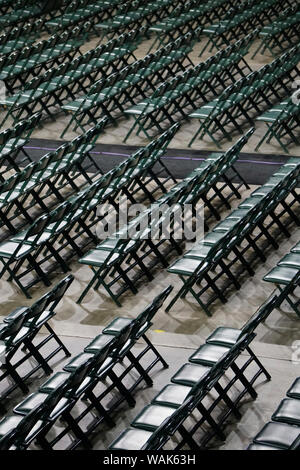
(182, 330)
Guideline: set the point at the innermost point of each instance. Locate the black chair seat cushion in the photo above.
(291, 260)
(98, 343)
(294, 390)
(262, 447)
(172, 395)
(281, 275)
(288, 411)
(152, 416)
(189, 374)
(208, 354)
(131, 439)
(224, 336)
(278, 434)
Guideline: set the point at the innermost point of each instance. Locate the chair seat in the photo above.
(108, 244)
(57, 166)
(131, 439)
(201, 251)
(21, 236)
(98, 257)
(7, 249)
(98, 343)
(226, 225)
(152, 416)
(291, 260)
(213, 237)
(185, 266)
(296, 248)
(30, 403)
(15, 314)
(117, 325)
(224, 336)
(189, 374)
(262, 192)
(250, 202)
(283, 171)
(29, 185)
(294, 390)
(293, 161)
(281, 275)
(12, 144)
(288, 411)
(261, 447)
(8, 424)
(278, 434)
(77, 361)
(36, 399)
(208, 354)
(238, 214)
(74, 105)
(204, 112)
(172, 395)
(140, 108)
(57, 379)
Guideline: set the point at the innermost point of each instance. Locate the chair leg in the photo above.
(244, 381)
(211, 421)
(60, 343)
(38, 357)
(255, 358)
(158, 355)
(130, 400)
(140, 369)
(76, 430)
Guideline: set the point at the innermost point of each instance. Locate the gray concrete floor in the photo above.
(182, 330)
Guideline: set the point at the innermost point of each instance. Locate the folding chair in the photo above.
(225, 336)
(15, 252)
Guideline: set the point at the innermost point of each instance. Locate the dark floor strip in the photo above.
(255, 168)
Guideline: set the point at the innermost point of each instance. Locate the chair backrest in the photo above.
(148, 313)
(28, 172)
(242, 342)
(160, 298)
(53, 397)
(59, 212)
(104, 352)
(8, 186)
(38, 307)
(27, 124)
(59, 290)
(122, 338)
(260, 315)
(37, 228)
(78, 375)
(237, 147)
(93, 133)
(13, 327)
(5, 136)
